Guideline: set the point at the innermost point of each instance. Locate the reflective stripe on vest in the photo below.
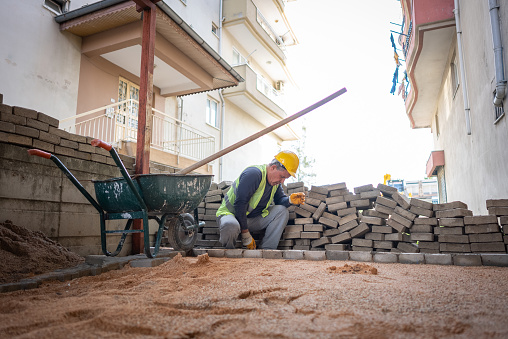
(227, 206)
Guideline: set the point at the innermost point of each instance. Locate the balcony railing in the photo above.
(267, 89)
(117, 122)
(269, 30)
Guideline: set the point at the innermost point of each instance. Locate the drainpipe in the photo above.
(498, 53)
(462, 70)
(222, 103)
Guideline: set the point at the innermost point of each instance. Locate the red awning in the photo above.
(436, 159)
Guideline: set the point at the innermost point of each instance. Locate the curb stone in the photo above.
(314, 255)
(411, 258)
(293, 254)
(467, 260)
(389, 258)
(438, 259)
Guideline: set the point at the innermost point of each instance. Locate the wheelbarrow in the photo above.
(166, 198)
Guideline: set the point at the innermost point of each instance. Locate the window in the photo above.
(455, 76)
(212, 112)
(128, 111)
(57, 6)
(215, 29)
(238, 58)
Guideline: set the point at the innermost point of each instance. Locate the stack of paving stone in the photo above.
(208, 236)
(374, 219)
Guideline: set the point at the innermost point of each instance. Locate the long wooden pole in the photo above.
(262, 132)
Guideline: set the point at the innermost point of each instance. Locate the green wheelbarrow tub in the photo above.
(173, 193)
(115, 196)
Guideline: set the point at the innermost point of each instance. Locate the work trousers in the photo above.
(273, 224)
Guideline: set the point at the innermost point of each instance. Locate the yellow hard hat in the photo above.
(289, 160)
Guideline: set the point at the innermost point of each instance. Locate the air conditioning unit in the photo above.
(279, 86)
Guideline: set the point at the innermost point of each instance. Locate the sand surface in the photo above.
(258, 298)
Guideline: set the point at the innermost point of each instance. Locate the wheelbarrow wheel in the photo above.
(180, 238)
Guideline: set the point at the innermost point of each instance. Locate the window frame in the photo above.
(455, 77)
(208, 117)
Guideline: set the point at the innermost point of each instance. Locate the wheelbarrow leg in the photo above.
(158, 237)
(120, 243)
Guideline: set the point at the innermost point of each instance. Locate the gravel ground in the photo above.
(258, 298)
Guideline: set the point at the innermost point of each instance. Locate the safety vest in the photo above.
(228, 203)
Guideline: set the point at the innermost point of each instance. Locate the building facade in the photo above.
(454, 53)
(216, 68)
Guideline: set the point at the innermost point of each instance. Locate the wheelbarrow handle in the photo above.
(102, 144)
(39, 153)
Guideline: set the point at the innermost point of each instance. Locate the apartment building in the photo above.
(455, 53)
(219, 73)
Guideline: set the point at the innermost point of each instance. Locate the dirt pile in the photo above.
(353, 269)
(26, 253)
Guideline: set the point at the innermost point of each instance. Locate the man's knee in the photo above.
(229, 229)
(280, 212)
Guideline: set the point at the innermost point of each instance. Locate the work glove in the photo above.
(297, 198)
(248, 241)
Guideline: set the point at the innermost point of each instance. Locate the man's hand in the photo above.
(297, 198)
(248, 241)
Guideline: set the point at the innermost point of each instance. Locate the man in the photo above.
(248, 204)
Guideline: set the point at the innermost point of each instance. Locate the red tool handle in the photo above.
(39, 153)
(100, 143)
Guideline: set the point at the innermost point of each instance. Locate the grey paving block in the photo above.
(467, 259)
(453, 238)
(397, 237)
(216, 252)
(374, 213)
(388, 202)
(401, 220)
(413, 202)
(234, 253)
(253, 253)
(371, 195)
(149, 262)
(422, 229)
(343, 237)
(425, 221)
(387, 257)
(480, 220)
(454, 248)
(438, 259)
(449, 205)
(348, 218)
(313, 228)
(498, 211)
(383, 209)
(310, 235)
(346, 211)
(328, 222)
(404, 213)
(407, 247)
(421, 211)
(486, 247)
(362, 248)
(320, 242)
(337, 247)
(430, 245)
(292, 255)
(331, 216)
(497, 203)
(495, 259)
(402, 200)
(364, 188)
(337, 255)
(314, 255)
(488, 228)
(293, 228)
(448, 230)
(486, 237)
(382, 244)
(301, 212)
(360, 256)
(387, 190)
(348, 226)
(337, 206)
(375, 236)
(373, 220)
(272, 254)
(397, 226)
(412, 258)
(332, 232)
(422, 236)
(360, 230)
(362, 242)
(382, 229)
(303, 221)
(458, 212)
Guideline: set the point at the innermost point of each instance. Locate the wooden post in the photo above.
(145, 108)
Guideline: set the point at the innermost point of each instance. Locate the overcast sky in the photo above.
(365, 133)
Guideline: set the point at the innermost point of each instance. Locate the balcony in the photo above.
(436, 159)
(430, 30)
(260, 100)
(117, 124)
(256, 31)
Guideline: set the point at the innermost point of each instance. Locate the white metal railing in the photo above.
(269, 30)
(267, 89)
(118, 122)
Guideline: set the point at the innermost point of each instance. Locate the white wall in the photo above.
(476, 165)
(39, 65)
